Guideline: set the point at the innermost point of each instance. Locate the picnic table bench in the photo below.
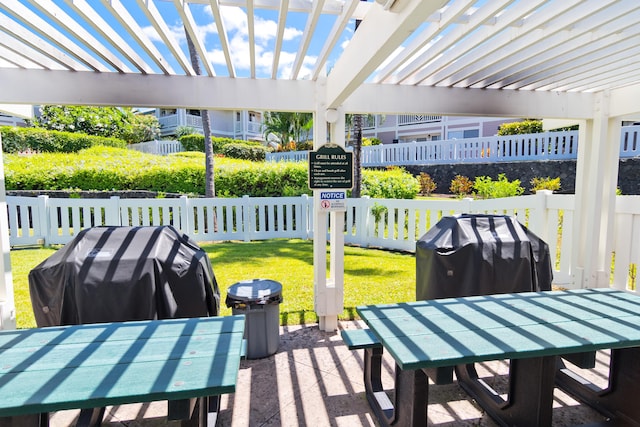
(188, 362)
(533, 329)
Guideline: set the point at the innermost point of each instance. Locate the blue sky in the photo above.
(235, 21)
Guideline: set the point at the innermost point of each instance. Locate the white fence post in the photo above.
(112, 212)
(186, 215)
(247, 215)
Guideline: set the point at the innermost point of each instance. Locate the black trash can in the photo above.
(469, 255)
(259, 300)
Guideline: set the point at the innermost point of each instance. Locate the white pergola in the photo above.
(567, 61)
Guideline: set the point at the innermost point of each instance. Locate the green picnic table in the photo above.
(187, 362)
(535, 330)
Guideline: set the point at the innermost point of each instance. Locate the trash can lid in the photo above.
(254, 290)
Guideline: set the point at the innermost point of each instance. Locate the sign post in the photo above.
(330, 176)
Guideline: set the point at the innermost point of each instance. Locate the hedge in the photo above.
(104, 168)
(195, 142)
(20, 139)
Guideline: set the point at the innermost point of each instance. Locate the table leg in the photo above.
(205, 413)
(619, 400)
(411, 393)
(91, 417)
(530, 397)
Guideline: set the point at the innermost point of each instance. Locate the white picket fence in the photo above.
(384, 223)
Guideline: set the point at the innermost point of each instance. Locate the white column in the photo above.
(596, 180)
(7, 304)
(328, 291)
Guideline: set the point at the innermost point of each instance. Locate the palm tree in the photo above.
(210, 188)
(286, 127)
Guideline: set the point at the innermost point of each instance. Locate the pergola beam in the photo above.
(49, 87)
(377, 37)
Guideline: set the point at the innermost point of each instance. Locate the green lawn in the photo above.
(371, 276)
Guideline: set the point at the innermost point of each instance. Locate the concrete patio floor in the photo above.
(314, 380)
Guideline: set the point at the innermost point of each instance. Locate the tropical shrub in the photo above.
(461, 186)
(393, 183)
(427, 184)
(486, 188)
(539, 183)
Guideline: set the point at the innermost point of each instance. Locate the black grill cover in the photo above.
(111, 274)
(478, 255)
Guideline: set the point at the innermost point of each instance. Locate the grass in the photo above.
(370, 276)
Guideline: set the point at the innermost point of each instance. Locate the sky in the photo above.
(235, 22)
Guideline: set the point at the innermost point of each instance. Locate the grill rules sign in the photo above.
(330, 167)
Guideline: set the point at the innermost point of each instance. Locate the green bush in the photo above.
(106, 168)
(192, 142)
(539, 183)
(394, 183)
(245, 151)
(195, 142)
(262, 179)
(486, 188)
(17, 139)
(518, 128)
(366, 142)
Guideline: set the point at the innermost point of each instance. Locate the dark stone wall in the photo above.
(628, 175)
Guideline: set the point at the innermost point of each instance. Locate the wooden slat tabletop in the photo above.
(85, 366)
(462, 330)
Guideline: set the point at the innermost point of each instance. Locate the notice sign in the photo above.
(333, 201)
(330, 167)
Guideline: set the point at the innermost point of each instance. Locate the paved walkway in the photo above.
(314, 380)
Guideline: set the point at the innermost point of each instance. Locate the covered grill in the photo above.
(110, 274)
(480, 254)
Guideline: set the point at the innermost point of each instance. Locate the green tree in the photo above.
(111, 122)
(141, 128)
(285, 127)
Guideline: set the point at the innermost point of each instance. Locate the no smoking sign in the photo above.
(333, 200)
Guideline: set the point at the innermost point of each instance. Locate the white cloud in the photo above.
(235, 24)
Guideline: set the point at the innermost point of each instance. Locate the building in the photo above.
(422, 127)
(245, 125)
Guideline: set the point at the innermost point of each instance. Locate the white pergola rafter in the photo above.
(282, 22)
(438, 20)
(56, 14)
(550, 27)
(38, 25)
(312, 21)
(338, 27)
(191, 28)
(83, 8)
(222, 35)
(29, 39)
(121, 13)
(252, 38)
(420, 67)
(157, 21)
(583, 50)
